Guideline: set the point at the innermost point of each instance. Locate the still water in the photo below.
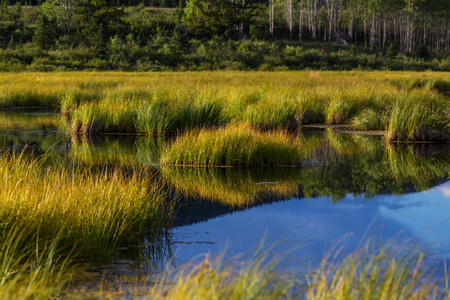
(351, 189)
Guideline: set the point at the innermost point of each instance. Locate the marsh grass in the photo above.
(369, 119)
(169, 117)
(167, 103)
(365, 274)
(31, 266)
(93, 210)
(368, 275)
(92, 118)
(311, 108)
(419, 116)
(233, 145)
(56, 216)
(218, 278)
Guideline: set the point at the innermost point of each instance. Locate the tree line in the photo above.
(409, 24)
(217, 34)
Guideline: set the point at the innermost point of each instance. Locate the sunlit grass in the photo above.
(93, 210)
(234, 145)
(166, 103)
(419, 116)
(364, 274)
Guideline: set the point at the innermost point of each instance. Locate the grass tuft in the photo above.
(233, 145)
(419, 116)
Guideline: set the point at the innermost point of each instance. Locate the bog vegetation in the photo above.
(407, 106)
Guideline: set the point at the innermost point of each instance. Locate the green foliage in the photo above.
(46, 33)
(216, 17)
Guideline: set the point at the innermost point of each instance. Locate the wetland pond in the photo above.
(350, 188)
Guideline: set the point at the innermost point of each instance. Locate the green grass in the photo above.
(364, 274)
(368, 119)
(233, 145)
(106, 117)
(93, 210)
(168, 103)
(419, 116)
(56, 216)
(31, 266)
(169, 117)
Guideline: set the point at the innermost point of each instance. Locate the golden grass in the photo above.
(233, 145)
(364, 274)
(94, 210)
(124, 102)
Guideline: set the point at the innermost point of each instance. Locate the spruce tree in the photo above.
(45, 36)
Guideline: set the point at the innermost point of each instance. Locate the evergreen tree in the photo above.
(179, 42)
(46, 33)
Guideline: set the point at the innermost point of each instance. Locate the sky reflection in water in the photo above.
(314, 226)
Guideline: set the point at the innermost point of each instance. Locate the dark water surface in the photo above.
(351, 188)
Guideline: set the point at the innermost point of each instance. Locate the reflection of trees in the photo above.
(421, 164)
(120, 150)
(28, 122)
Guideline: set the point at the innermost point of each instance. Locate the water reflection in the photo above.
(348, 184)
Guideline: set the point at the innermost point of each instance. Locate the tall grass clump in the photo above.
(217, 278)
(419, 116)
(70, 100)
(366, 275)
(168, 117)
(311, 108)
(363, 274)
(265, 109)
(233, 145)
(342, 108)
(368, 119)
(31, 266)
(94, 210)
(104, 117)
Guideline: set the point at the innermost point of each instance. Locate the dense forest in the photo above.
(224, 34)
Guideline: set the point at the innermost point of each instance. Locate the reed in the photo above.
(93, 210)
(166, 103)
(217, 278)
(364, 274)
(233, 145)
(369, 119)
(31, 266)
(367, 275)
(169, 117)
(105, 117)
(419, 116)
